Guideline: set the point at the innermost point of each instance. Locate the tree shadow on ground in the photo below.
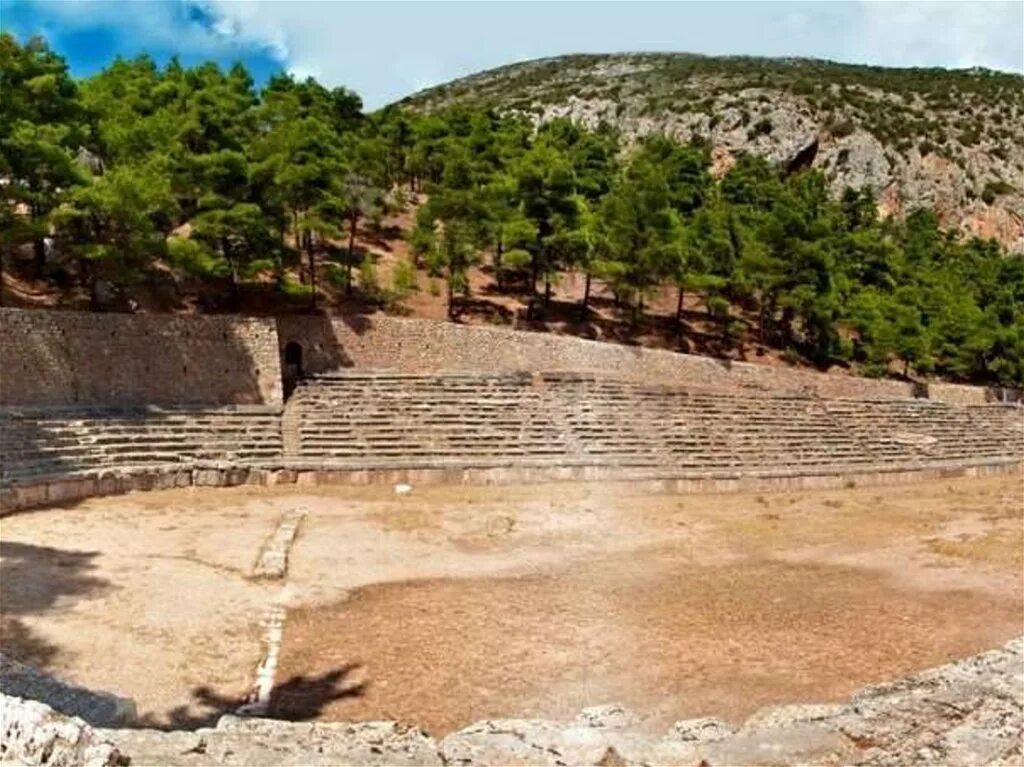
(482, 309)
(19, 642)
(34, 578)
(299, 699)
(33, 581)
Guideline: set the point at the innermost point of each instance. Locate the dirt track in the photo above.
(456, 604)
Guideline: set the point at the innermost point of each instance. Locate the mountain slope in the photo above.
(949, 140)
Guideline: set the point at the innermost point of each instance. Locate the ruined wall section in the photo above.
(50, 358)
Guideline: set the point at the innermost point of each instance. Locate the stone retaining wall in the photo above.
(426, 346)
(80, 358)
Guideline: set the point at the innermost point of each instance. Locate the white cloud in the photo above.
(150, 24)
(949, 34)
(385, 50)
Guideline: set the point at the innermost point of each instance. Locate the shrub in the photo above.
(841, 128)
(994, 189)
(403, 279)
(368, 278)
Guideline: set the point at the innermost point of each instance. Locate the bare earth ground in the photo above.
(455, 604)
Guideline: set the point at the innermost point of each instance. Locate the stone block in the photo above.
(63, 490)
(805, 743)
(208, 478)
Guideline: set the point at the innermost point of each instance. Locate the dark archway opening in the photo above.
(291, 370)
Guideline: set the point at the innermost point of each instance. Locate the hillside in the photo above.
(948, 140)
(170, 188)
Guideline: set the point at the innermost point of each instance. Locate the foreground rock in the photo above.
(33, 733)
(966, 713)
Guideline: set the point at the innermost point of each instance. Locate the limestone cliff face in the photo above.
(948, 140)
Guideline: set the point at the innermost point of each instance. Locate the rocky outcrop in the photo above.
(970, 712)
(951, 141)
(32, 733)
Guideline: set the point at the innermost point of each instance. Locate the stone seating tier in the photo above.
(53, 443)
(380, 420)
(398, 419)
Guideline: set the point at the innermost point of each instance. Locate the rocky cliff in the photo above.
(948, 140)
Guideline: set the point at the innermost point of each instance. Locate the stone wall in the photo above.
(65, 358)
(423, 346)
(52, 358)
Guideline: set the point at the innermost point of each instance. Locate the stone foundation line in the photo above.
(272, 563)
(273, 625)
(68, 489)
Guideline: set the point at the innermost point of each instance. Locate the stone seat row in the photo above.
(68, 442)
(382, 420)
(353, 417)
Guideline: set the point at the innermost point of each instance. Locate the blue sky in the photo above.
(385, 50)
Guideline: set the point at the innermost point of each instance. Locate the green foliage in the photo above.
(403, 279)
(368, 278)
(142, 168)
(295, 290)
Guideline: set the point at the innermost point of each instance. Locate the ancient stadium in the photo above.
(389, 541)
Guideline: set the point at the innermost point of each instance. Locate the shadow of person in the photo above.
(305, 697)
(297, 699)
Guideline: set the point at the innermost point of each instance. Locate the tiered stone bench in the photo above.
(366, 426)
(387, 420)
(52, 455)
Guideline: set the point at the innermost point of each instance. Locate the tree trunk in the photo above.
(226, 250)
(39, 249)
(451, 296)
(584, 308)
(353, 224)
(498, 251)
(679, 309)
(534, 272)
(92, 281)
(787, 325)
(312, 277)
